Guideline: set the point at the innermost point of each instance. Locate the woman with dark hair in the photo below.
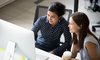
(83, 40)
(51, 27)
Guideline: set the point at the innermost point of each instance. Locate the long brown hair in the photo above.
(81, 20)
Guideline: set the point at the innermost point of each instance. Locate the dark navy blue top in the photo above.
(49, 37)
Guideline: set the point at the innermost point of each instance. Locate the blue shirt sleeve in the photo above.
(36, 27)
(67, 44)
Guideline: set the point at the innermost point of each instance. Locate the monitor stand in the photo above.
(9, 53)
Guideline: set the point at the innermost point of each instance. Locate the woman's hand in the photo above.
(64, 58)
(74, 59)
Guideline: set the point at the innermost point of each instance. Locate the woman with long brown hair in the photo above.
(83, 40)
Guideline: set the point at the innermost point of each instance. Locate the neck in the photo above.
(77, 35)
(53, 25)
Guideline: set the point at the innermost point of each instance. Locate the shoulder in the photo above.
(41, 19)
(63, 21)
(90, 43)
(90, 39)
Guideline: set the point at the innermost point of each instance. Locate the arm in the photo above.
(67, 36)
(36, 27)
(91, 48)
(66, 44)
(74, 50)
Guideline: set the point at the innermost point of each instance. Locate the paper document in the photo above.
(41, 57)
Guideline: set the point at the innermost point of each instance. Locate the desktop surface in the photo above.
(43, 55)
(46, 55)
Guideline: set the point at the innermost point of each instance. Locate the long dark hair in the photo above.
(82, 20)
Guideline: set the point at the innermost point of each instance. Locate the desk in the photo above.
(51, 56)
(38, 51)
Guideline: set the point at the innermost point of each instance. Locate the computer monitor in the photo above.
(23, 38)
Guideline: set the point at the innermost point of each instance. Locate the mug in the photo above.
(67, 55)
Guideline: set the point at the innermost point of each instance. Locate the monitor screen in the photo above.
(23, 38)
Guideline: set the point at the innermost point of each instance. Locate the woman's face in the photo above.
(73, 27)
(52, 18)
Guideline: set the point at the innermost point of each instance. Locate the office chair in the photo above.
(94, 27)
(42, 10)
(95, 7)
